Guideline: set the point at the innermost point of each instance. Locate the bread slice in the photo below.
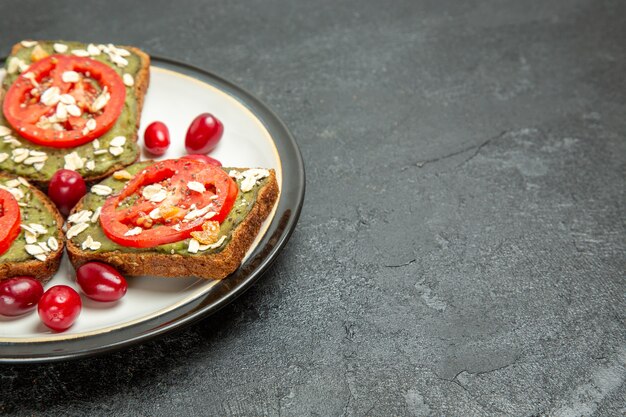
(92, 163)
(174, 260)
(38, 213)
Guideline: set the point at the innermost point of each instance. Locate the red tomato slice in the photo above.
(42, 122)
(174, 187)
(10, 219)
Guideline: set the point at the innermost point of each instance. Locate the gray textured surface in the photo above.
(461, 249)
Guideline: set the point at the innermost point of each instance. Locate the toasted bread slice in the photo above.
(94, 160)
(175, 260)
(38, 214)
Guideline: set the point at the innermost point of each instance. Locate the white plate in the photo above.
(177, 94)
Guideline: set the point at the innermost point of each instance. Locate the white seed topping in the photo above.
(4, 130)
(118, 60)
(159, 196)
(134, 231)
(100, 151)
(73, 110)
(28, 44)
(128, 79)
(41, 257)
(251, 176)
(76, 230)
(31, 238)
(193, 247)
(196, 186)
(80, 52)
(53, 243)
(34, 249)
(23, 181)
(150, 190)
(39, 166)
(101, 189)
(37, 153)
(96, 215)
(155, 214)
(73, 161)
(31, 160)
(67, 99)
(122, 52)
(100, 101)
(14, 64)
(28, 229)
(38, 228)
(12, 183)
(51, 96)
(11, 140)
(31, 77)
(60, 48)
(93, 50)
(90, 165)
(193, 214)
(235, 174)
(87, 242)
(96, 142)
(91, 125)
(44, 246)
(118, 141)
(61, 112)
(3, 156)
(19, 155)
(70, 77)
(82, 216)
(116, 150)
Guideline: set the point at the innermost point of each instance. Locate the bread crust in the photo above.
(142, 81)
(210, 266)
(42, 271)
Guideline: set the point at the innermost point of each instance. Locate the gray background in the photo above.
(461, 247)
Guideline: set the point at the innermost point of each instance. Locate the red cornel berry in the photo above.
(66, 188)
(203, 134)
(59, 307)
(101, 282)
(19, 295)
(156, 138)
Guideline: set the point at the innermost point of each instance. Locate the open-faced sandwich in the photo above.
(172, 218)
(31, 235)
(71, 105)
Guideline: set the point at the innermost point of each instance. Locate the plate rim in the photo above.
(264, 254)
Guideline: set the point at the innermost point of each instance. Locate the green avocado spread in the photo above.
(243, 205)
(34, 216)
(95, 155)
